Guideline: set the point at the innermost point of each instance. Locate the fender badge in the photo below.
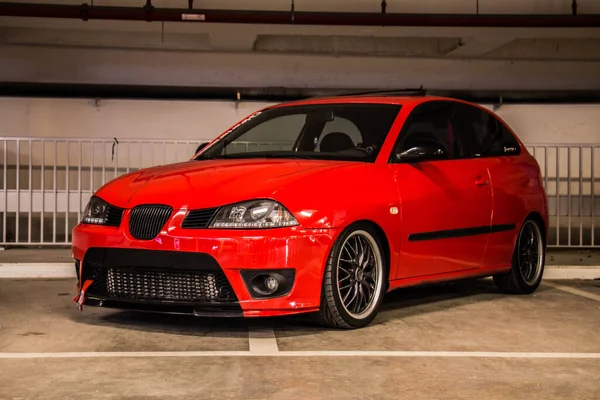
(394, 210)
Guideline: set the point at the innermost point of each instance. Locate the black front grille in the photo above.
(139, 284)
(146, 221)
(113, 215)
(198, 219)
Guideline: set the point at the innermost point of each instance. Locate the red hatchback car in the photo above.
(320, 206)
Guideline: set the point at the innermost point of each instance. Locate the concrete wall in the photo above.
(189, 122)
(151, 119)
(199, 54)
(203, 120)
(194, 122)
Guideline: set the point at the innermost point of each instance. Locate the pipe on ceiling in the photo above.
(145, 13)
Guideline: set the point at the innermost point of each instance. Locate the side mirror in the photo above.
(422, 152)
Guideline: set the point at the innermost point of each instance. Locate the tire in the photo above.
(528, 263)
(370, 283)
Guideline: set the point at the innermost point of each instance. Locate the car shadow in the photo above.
(401, 303)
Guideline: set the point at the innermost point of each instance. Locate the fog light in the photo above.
(268, 283)
(271, 283)
(265, 284)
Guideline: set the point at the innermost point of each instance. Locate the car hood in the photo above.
(209, 183)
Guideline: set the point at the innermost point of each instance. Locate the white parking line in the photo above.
(563, 272)
(37, 270)
(430, 354)
(262, 341)
(574, 291)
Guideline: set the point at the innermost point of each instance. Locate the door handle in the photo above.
(481, 181)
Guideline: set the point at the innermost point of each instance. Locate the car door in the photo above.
(446, 202)
(495, 145)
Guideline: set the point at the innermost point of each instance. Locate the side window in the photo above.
(277, 134)
(488, 136)
(431, 124)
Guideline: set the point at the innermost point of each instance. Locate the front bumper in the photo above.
(202, 252)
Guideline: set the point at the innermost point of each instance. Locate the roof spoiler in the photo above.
(385, 92)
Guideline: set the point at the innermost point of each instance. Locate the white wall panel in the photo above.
(554, 123)
(78, 118)
(203, 120)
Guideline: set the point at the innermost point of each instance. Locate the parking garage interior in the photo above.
(92, 90)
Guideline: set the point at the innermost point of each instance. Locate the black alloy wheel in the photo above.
(527, 263)
(355, 279)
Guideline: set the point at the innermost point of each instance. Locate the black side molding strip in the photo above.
(502, 228)
(455, 233)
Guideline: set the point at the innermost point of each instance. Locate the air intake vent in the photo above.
(198, 219)
(147, 284)
(145, 222)
(113, 215)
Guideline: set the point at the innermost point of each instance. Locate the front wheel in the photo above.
(528, 261)
(355, 279)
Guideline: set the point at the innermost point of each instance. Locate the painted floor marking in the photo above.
(571, 272)
(37, 270)
(262, 341)
(571, 290)
(432, 354)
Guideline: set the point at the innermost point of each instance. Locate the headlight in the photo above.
(95, 212)
(254, 214)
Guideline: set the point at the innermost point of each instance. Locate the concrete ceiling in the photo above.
(494, 43)
(300, 56)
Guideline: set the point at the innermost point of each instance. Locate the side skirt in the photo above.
(447, 277)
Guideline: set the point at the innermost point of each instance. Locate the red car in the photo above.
(320, 206)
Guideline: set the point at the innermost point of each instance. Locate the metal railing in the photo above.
(571, 175)
(45, 184)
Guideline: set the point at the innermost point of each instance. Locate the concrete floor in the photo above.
(38, 320)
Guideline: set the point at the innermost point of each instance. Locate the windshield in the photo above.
(352, 132)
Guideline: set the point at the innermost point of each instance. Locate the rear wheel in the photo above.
(528, 261)
(355, 279)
